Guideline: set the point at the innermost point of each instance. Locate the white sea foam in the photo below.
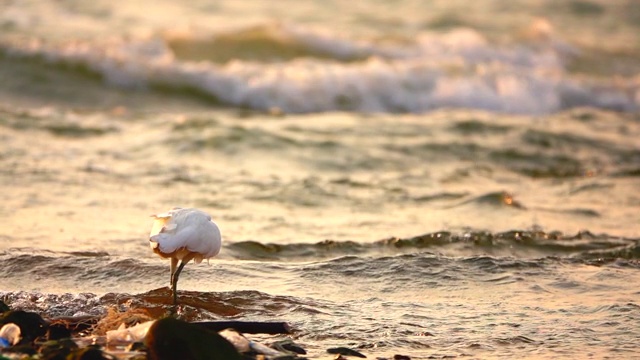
(456, 69)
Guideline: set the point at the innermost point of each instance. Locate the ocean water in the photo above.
(433, 179)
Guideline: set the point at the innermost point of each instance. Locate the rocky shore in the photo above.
(134, 335)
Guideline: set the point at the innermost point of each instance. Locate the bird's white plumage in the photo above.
(179, 232)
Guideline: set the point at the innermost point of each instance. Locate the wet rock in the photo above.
(401, 357)
(170, 338)
(4, 307)
(288, 346)
(31, 324)
(57, 332)
(345, 351)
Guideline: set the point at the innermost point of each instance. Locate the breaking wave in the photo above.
(292, 69)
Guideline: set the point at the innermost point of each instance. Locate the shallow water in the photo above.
(408, 180)
(383, 299)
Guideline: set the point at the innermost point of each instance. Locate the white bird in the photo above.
(185, 235)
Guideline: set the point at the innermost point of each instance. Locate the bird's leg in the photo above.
(174, 265)
(174, 283)
(176, 275)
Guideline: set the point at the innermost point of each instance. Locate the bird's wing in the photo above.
(204, 241)
(169, 242)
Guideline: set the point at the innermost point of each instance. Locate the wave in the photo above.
(519, 243)
(297, 70)
(393, 264)
(531, 243)
(390, 259)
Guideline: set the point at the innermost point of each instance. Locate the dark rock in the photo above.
(57, 332)
(4, 307)
(288, 346)
(345, 351)
(401, 357)
(247, 327)
(170, 339)
(31, 324)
